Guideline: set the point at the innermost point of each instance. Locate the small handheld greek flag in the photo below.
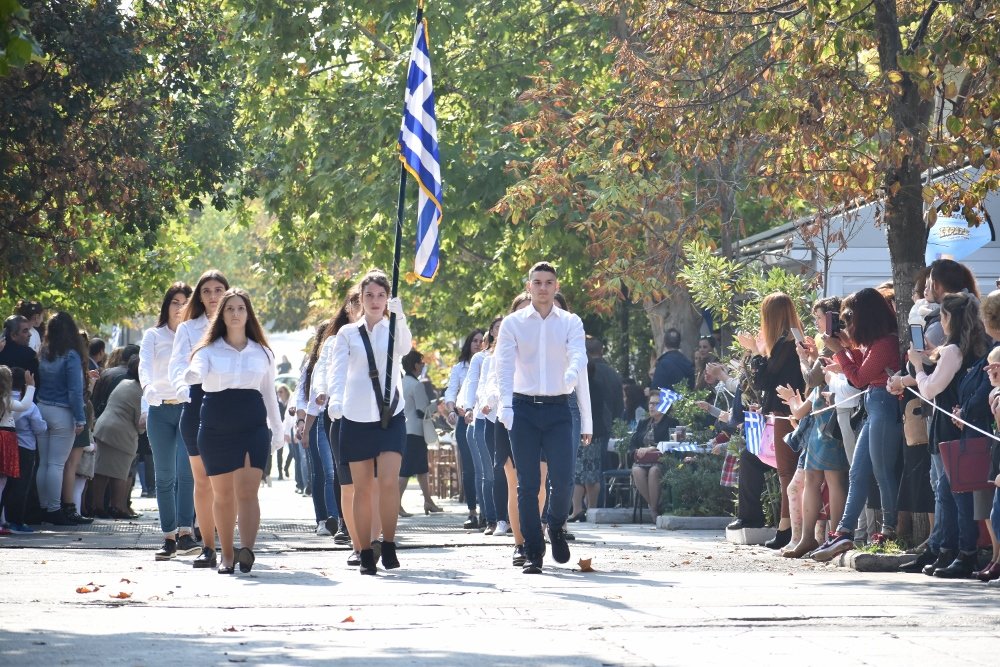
(667, 398)
(418, 150)
(753, 431)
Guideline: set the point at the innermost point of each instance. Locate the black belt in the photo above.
(562, 399)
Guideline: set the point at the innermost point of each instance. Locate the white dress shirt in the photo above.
(154, 363)
(583, 402)
(488, 392)
(186, 337)
(455, 380)
(470, 387)
(220, 366)
(35, 340)
(534, 356)
(300, 393)
(324, 364)
(351, 388)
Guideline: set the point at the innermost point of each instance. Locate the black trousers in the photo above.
(15, 494)
(752, 471)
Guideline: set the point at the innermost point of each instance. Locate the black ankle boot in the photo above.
(74, 517)
(389, 559)
(945, 556)
(780, 539)
(368, 562)
(960, 568)
(919, 563)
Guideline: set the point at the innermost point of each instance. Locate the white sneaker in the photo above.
(502, 528)
(321, 529)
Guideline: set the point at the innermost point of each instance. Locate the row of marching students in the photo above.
(208, 376)
(531, 361)
(868, 415)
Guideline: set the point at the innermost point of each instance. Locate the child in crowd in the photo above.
(10, 459)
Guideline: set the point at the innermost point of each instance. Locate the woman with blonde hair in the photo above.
(774, 363)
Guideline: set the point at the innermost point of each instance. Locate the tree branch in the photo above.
(921, 33)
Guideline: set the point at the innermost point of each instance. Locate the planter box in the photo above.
(670, 522)
(749, 535)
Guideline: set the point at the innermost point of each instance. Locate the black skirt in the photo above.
(191, 419)
(363, 441)
(415, 457)
(233, 425)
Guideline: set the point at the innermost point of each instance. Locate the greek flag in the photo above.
(667, 398)
(753, 431)
(418, 148)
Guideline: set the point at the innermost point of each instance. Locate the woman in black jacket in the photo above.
(646, 470)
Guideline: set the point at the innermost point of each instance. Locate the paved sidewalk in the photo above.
(655, 598)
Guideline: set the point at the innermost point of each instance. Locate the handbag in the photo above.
(430, 433)
(914, 423)
(967, 464)
(858, 417)
(766, 450)
(649, 458)
(797, 439)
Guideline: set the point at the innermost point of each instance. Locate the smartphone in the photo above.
(798, 336)
(917, 336)
(832, 324)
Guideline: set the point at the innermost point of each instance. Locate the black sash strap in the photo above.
(386, 411)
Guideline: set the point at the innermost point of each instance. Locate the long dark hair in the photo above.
(965, 328)
(195, 307)
(61, 336)
(953, 277)
(172, 291)
(322, 333)
(409, 362)
(868, 316)
(347, 313)
(217, 328)
(466, 354)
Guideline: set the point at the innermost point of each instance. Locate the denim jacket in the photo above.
(60, 382)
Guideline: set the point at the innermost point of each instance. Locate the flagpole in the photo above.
(397, 251)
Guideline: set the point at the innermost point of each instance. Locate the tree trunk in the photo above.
(677, 312)
(904, 214)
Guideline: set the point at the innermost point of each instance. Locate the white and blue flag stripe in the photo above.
(667, 398)
(418, 148)
(753, 431)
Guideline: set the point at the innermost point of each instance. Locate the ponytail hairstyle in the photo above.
(217, 328)
(489, 340)
(965, 328)
(195, 306)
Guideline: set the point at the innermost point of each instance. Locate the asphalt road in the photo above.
(654, 597)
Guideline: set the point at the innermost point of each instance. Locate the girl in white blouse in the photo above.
(174, 483)
(363, 440)
(200, 309)
(240, 420)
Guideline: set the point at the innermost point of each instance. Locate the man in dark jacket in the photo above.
(672, 367)
(16, 353)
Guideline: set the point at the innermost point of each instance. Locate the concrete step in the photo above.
(670, 522)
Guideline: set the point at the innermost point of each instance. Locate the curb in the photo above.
(864, 562)
(671, 522)
(754, 536)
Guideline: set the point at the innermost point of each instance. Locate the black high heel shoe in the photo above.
(780, 539)
(245, 559)
(580, 516)
(389, 559)
(368, 562)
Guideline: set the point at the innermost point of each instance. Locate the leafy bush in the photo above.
(691, 488)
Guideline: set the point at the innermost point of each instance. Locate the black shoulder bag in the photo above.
(385, 410)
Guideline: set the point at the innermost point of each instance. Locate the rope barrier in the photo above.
(950, 415)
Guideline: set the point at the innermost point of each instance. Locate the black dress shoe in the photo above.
(75, 518)
(519, 557)
(919, 563)
(206, 559)
(960, 568)
(226, 570)
(740, 524)
(389, 559)
(368, 562)
(57, 518)
(560, 549)
(472, 523)
(245, 559)
(780, 539)
(945, 556)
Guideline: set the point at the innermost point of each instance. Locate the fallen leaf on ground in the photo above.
(88, 589)
(584, 564)
(708, 558)
(685, 562)
(123, 580)
(229, 629)
(121, 595)
(349, 619)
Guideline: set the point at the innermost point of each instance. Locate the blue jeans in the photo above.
(468, 469)
(877, 450)
(174, 482)
(953, 512)
(324, 498)
(482, 459)
(542, 427)
(937, 536)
